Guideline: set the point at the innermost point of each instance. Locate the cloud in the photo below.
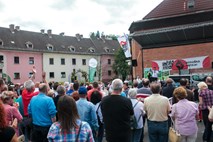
(2, 6)
(63, 4)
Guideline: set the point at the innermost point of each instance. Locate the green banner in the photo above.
(91, 74)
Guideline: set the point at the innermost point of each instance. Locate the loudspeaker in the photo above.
(212, 64)
(134, 63)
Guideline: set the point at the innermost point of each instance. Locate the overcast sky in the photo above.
(75, 16)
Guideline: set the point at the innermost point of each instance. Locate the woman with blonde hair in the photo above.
(11, 110)
(184, 113)
(7, 133)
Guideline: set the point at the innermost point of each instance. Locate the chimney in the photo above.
(78, 36)
(61, 34)
(17, 28)
(42, 31)
(12, 28)
(49, 32)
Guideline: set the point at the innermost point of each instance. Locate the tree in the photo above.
(97, 34)
(92, 35)
(120, 65)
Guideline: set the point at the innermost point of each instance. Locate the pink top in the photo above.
(12, 113)
(185, 113)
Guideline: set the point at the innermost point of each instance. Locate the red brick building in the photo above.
(175, 29)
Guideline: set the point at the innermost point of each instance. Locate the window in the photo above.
(16, 75)
(92, 50)
(51, 61)
(109, 72)
(1, 59)
(95, 74)
(73, 61)
(1, 71)
(106, 49)
(30, 74)
(83, 61)
(63, 75)
(16, 60)
(1, 42)
(52, 75)
(190, 4)
(62, 61)
(29, 44)
(72, 48)
(109, 61)
(31, 60)
(49, 47)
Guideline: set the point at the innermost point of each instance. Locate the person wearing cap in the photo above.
(87, 111)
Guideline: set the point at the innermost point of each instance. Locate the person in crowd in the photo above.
(116, 111)
(27, 94)
(43, 112)
(95, 87)
(145, 89)
(55, 86)
(142, 93)
(10, 109)
(96, 100)
(50, 93)
(75, 94)
(205, 101)
(7, 133)
(138, 112)
(66, 85)
(2, 84)
(61, 92)
(157, 108)
(168, 90)
(126, 88)
(69, 127)
(184, 114)
(70, 91)
(209, 82)
(190, 94)
(87, 111)
(135, 84)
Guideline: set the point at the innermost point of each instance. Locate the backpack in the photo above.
(99, 120)
(133, 120)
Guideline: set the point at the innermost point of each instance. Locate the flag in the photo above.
(124, 43)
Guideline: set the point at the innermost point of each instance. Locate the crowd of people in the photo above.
(84, 112)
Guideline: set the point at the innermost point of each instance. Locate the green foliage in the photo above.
(92, 35)
(97, 34)
(120, 65)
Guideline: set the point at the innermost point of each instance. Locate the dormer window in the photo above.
(29, 44)
(191, 4)
(72, 48)
(1, 42)
(92, 50)
(106, 49)
(49, 47)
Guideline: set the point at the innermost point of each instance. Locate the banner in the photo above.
(124, 43)
(91, 74)
(187, 63)
(92, 69)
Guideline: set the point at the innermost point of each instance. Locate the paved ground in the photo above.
(199, 135)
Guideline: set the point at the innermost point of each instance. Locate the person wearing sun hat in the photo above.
(86, 110)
